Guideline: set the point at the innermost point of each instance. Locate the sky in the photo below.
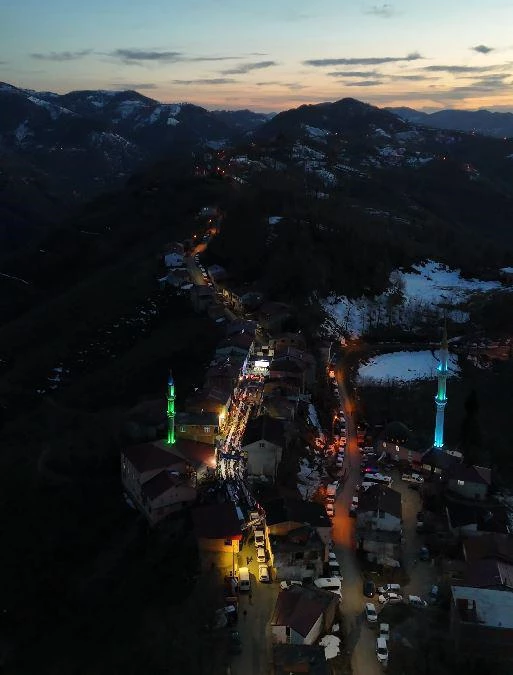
(269, 55)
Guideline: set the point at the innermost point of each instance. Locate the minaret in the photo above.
(170, 409)
(441, 396)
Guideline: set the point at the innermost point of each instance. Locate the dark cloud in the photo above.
(355, 73)
(482, 49)
(248, 67)
(206, 80)
(363, 83)
(384, 11)
(140, 55)
(458, 69)
(364, 61)
(277, 83)
(61, 56)
(131, 85)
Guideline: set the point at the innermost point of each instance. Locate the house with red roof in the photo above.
(302, 614)
(157, 480)
(218, 530)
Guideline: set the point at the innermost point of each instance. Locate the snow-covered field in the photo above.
(402, 367)
(423, 291)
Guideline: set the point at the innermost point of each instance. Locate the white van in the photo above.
(244, 580)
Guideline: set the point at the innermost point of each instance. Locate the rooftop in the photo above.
(437, 457)
(284, 510)
(495, 546)
(487, 572)
(300, 607)
(486, 607)
(300, 539)
(381, 498)
(299, 660)
(159, 484)
(487, 518)
(196, 419)
(217, 521)
(471, 474)
(193, 452)
(265, 428)
(148, 457)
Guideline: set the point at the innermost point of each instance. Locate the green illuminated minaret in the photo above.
(170, 409)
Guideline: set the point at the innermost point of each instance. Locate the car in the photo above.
(381, 650)
(412, 478)
(433, 595)
(392, 598)
(424, 554)
(261, 554)
(284, 585)
(354, 501)
(263, 573)
(333, 584)
(389, 588)
(370, 613)
(330, 500)
(340, 463)
(384, 631)
(369, 588)
(415, 601)
(378, 478)
(330, 510)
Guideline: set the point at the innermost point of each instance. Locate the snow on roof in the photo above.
(172, 122)
(331, 644)
(492, 608)
(507, 270)
(274, 220)
(404, 367)
(312, 414)
(309, 479)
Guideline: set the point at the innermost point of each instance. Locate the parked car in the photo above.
(433, 595)
(424, 554)
(389, 588)
(370, 613)
(284, 585)
(333, 584)
(392, 598)
(261, 555)
(415, 601)
(412, 478)
(381, 650)
(330, 510)
(263, 573)
(384, 631)
(369, 588)
(330, 500)
(379, 478)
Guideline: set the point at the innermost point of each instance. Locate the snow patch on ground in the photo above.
(22, 131)
(312, 414)
(314, 132)
(402, 367)
(422, 290)
(308, 479)
(331, 644)
(172, 122)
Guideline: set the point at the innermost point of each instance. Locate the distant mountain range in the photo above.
(471, 121)
(59, 149)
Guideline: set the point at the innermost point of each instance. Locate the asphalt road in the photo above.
(360, 639)
(254, 628)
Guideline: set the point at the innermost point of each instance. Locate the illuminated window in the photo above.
(461, 482)
(206, 430)
(182, 429)
(227, 542)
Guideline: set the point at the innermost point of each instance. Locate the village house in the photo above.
(379, 508)
(273, 315)
(492, 574)
(438, 463)
(299, 554)
(285, 514)
(237, 343)
(489, 547)
(301, 357)
(158, 481)
(291, 659)
(279, 408)
(263, 441)
(211, 399)
(178, 278)
(224, 373)
(470, 482)
(216, 274)
(201, 427)
(285, 340)
(471, 520)
(242, 326)
(290, 369)
(219, 535)
(378, 525)
(202, 297)
(302, 614)
(482, 622)
(147, 420)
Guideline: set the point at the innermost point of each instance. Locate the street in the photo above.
(254, 628)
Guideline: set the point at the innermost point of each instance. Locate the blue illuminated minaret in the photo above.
(170, 409)
(441, 396)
